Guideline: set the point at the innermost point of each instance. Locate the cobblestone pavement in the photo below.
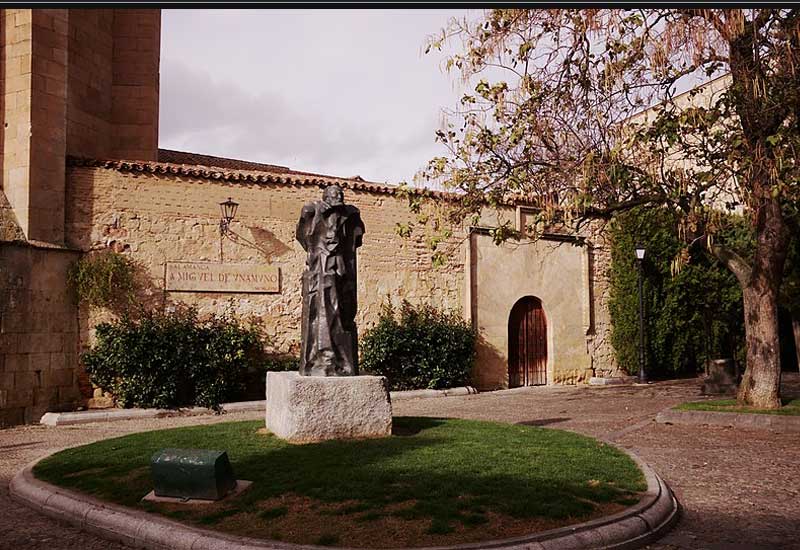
(738, 489)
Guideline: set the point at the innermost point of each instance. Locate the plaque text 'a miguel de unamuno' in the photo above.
(211, 277)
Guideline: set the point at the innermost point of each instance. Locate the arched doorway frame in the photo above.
(528, 314)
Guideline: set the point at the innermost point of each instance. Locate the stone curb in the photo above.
(755, 421)
(110, 415)
(53, 419)
(418, 394)
(609, 381)
(634, 527)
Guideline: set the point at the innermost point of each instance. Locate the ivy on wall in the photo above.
(691, 316)
(104, 279)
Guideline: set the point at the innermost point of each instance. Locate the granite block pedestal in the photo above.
(722, 378)
(309, 409)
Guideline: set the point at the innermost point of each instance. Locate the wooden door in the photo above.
(527, 344)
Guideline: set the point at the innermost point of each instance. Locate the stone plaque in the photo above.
(211, 277)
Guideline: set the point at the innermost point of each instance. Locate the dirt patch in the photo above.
(353, 523)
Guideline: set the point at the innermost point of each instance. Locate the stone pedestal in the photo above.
(308, 409)
(722, 378)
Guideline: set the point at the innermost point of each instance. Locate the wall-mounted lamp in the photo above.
(228, 211)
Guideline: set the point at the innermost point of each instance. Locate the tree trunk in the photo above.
(796, 331)
(760, 386)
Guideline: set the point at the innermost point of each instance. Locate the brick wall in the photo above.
(38, 333)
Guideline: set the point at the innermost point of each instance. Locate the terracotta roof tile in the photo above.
(267, 175)
(196, 159)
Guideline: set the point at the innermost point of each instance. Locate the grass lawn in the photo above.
(790, 407)
(435, 481)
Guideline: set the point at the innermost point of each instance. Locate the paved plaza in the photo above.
(738, 488)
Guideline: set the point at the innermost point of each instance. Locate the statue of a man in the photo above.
(330, 232)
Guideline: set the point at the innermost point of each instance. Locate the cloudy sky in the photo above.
(340, 92)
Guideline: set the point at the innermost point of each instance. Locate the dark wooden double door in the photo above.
(527, 344)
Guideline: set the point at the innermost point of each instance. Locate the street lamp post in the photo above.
(640, 251)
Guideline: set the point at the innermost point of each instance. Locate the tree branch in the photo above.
(709, 15)
(735, 263)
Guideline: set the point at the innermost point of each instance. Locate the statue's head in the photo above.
(333, 195)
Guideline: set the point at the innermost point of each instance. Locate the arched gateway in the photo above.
(527, 343)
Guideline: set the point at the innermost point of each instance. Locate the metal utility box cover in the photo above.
(192, 473)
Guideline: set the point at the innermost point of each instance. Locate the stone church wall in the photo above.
(160, 218)
(158, 214)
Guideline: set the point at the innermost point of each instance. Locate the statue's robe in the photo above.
(330, 235)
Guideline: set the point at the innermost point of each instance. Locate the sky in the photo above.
(338, 92)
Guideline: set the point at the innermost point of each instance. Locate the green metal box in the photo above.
(192, 473)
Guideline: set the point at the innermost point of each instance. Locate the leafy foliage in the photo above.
(174, 359)
(104, 279)
(281, 362)
(691, 316)
(419, 347)
(556, 92)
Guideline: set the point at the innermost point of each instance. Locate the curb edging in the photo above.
(612, 381)
(755, 421)
(54, 419)
(633, 527)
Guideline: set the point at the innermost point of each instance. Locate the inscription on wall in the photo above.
(210, 277)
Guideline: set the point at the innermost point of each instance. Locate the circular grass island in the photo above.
(435, 482)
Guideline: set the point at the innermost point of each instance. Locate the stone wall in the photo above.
(75, 82)
(550, 269)
(38, 333)
(604, 362)
(159, 218)
(113, 83)
(136, 61)
(160, 213)
(91, 44)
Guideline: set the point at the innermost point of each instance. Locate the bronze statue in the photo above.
(330, 232)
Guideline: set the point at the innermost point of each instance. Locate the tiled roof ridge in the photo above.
(173, 156)
(251, 176)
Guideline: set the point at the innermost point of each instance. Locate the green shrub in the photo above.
(690, 317)
(104, 279)
(281, 362)
(174, 359)
(419, 347)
